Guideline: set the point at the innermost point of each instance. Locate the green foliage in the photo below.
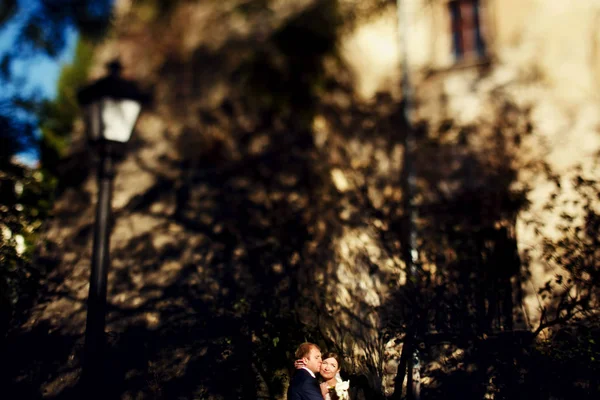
(24, 205)
(27, 193)
(57, 116)
(573, 346)
(22, 208)
(569, 360)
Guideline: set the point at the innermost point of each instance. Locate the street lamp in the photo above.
(410, 351)
(111, 107)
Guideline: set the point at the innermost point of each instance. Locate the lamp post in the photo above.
(411, 257)
(111, 107)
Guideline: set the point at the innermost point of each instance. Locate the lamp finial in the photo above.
(114, 67)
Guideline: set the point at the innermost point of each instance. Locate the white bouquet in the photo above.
(341, 390)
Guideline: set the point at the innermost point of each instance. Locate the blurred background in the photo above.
(413, 184)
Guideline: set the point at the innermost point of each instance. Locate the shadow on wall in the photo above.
(276, 216)
(207, 262)
(469, 265)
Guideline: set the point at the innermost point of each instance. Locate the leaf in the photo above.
(5, 67)
(8, 9)
(275, 341)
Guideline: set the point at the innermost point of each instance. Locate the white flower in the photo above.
(20, 247)
(341, 389)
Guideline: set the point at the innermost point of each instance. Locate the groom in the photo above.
(304, 385)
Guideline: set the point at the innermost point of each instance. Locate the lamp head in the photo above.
(111, 106)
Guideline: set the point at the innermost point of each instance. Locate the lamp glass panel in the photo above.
(93, 121)
(118, 118)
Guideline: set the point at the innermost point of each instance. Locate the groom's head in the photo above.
(311, 355)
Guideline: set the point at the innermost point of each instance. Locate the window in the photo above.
(466, 30)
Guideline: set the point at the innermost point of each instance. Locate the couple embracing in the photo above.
(310, 363)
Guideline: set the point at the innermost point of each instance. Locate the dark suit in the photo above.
(304, 387)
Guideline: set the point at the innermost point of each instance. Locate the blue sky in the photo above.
(36, 73)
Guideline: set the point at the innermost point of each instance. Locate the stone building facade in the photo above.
(503, 92)
(463, 55)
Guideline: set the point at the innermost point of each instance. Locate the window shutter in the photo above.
(466, 29)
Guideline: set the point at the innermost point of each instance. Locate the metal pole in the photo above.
(410, 146)
(94, 333)
(415, 387)
(410, 186)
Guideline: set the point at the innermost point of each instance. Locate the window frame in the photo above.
(467, 31)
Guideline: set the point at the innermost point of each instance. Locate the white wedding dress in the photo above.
(328, 396)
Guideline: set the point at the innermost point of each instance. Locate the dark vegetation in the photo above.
(28, 190)
(252, 222)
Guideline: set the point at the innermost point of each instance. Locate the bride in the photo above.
(332, 385)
